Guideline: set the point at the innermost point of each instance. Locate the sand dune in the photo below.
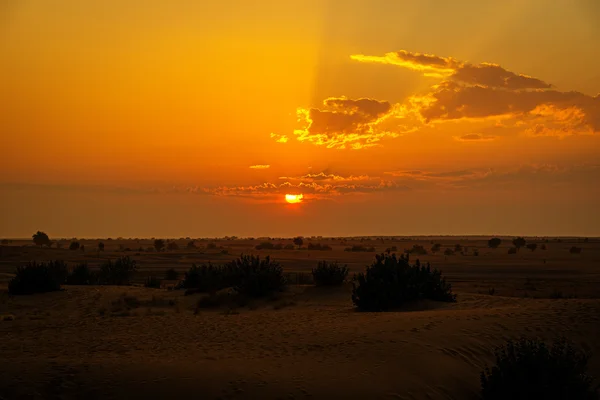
(310, 343)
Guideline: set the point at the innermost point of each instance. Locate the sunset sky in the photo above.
(141, 118)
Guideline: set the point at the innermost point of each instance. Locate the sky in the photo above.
(146, 118)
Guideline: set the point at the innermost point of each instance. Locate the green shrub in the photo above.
(255, 277)
(391, 282)
(329, 274)
(81, 275)
(529, 369)
(38, 278)
(118, 272)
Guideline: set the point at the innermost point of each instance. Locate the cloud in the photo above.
(474, 137)
(260, 166)
(343, 123)
(321, 177)
(313, 189)
(488, 91)
(279, 138)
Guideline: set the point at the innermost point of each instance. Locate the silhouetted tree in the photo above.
(171, 274)
(191, 245)
(494, 243)
(298, 241)
(41, 239)
(436, 247)
(457, 248)
(74, 246)
(159, 244)
(100, 246)
(173, 246)
(519, 242)
(532, 246)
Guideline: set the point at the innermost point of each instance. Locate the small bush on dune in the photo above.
(529, 369)
(81, 275)
(329, 274)
(118, 272)
(38, 278)
(256, 277)
(207, 278)
(391, 282)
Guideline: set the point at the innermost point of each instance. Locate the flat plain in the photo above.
(307, 342)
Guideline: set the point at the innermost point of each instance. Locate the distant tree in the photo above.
(448, 252)
(436, 247)
(100, 246)
(519, 242)
(82, 248)
(494, 243)
(211, 246)
(191, 245)
(532, 246)
(298, 241)
(586, 240)
(41, 239)
(172, 246)
(458, 248)
(159, 244)
(74, 246)
(543, 247)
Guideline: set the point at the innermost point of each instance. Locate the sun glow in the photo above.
(294, 198)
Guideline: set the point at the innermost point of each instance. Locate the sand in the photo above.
(307, 343)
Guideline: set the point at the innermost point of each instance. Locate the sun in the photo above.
(294, 198)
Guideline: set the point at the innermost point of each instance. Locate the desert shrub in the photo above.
(391, 282)
(118, 272)
(575, 250)
(81, 275)
(41, 239)
(74, 246)
(493, 243)
(152, 282)
(319, 247)
(100, 246)
(448, 252)
(519, 242)
(38, 278)
(256, 277)
(532, 246)
(191, 245)
(211, 246)
(512, 250)
(458, 248)
(530, 369)
(417, 249)
(159, 244)
(172, 246)
(359, 248)
(208, 278)
(329, 274)
(436, 247)
(171, 274)
(265, 246)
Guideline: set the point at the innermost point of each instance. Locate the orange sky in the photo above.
(145, 118)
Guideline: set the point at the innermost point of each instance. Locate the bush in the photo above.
(532, 246)
(436, 247)
(448, 252)
(118, 272)
(81, 275)
(171, 274)
(211, 246)
(289, 246)
(38, 278)
(172, 246)
(417, 249)
(519, 242)
(152, 282)
(360, 248)
(265, 245)
(256, 277)
(575, 250)
(493, 243)
(208, 278)
(329, 274)
(319, 247)
(391, 282)
(74, 246)
(529, 369)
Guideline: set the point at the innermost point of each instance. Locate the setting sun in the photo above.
(294, 198)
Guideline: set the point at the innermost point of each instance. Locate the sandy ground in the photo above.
(85, 342)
